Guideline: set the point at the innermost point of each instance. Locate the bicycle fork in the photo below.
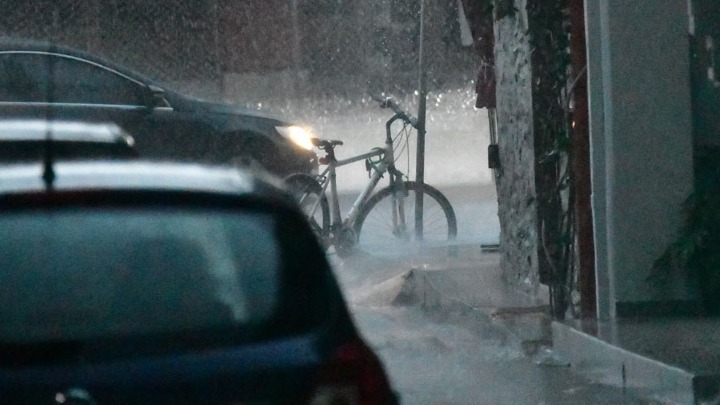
(336, 223)
(399, 194)
(344, 235)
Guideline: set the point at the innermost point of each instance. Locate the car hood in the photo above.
(184, 103)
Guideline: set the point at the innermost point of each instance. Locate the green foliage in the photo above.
(696, 251)
(548, 36)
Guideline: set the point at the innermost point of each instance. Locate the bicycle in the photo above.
(385, 217)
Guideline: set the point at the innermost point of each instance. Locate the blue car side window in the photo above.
(26, 77)
(17, 83)
(77, 81)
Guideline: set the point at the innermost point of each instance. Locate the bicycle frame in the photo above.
(343, 235)
(385, 165)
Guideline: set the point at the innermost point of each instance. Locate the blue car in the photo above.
(163, 283)
(40, 80)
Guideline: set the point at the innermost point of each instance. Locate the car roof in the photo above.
(10, 44)
(138, 175)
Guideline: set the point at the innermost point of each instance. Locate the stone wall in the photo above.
(515, 178)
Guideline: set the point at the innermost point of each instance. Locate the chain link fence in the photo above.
(258, 50)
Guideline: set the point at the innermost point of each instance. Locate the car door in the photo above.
(56, 86)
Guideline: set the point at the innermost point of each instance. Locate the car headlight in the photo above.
(298, 135)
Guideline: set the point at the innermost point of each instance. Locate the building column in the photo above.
(641, 145)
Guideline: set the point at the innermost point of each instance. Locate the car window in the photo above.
(20, 79)
(25, 77)
(77, 274)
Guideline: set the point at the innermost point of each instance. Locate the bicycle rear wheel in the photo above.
(307, 191)
(375, 226)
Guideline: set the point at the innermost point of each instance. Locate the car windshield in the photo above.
(84, 274)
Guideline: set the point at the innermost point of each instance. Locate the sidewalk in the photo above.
(463, 284)
(450, 331)
(676, 360)
(665, 360)
(470, 282)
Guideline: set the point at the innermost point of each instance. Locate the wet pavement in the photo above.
(437, 319)
(674, 359)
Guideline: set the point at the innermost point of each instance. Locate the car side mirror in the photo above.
(156, 97)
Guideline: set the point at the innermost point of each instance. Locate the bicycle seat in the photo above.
(325, 143)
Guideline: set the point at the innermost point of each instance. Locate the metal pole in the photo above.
(296, 46)
(420, 163)
(218, 50)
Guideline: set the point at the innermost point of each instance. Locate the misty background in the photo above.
(313, 61)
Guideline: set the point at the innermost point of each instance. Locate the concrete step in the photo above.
(472, 294)
(669, 360)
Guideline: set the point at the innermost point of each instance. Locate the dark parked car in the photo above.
(27, 140)
(135, 282)
(42, 80)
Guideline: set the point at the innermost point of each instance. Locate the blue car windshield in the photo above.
(74, 274)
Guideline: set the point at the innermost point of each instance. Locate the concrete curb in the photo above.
(610, 364)
(461, 284)
(525, 328)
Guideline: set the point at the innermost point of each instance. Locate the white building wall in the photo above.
(593, 35)
(641, 142)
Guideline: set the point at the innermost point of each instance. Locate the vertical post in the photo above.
(48, 175)
(580, 160)
(420, 161)
(95, 40)
(218, 49)
(296, 46)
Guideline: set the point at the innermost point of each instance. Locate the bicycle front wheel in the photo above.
(388, 217)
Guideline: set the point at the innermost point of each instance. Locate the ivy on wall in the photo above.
(694, 254)
(548, 30)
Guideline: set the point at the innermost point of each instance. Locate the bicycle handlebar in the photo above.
(388, 102)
